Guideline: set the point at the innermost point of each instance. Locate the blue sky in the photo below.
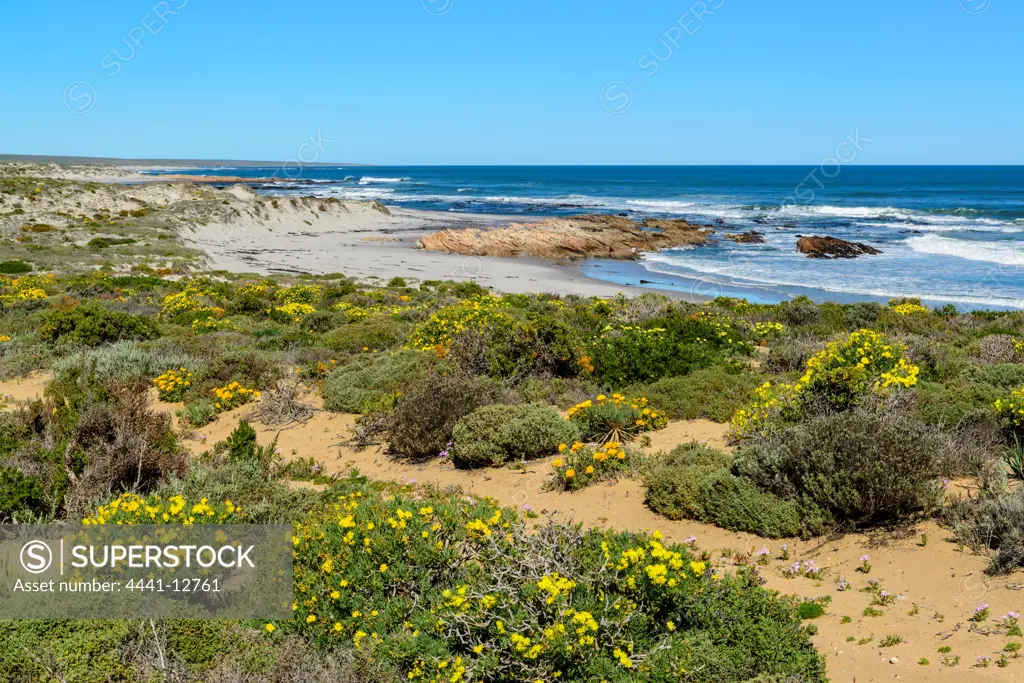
(524, 82)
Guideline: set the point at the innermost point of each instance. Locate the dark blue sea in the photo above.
(947, 233)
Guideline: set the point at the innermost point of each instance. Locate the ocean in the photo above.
(948, 234)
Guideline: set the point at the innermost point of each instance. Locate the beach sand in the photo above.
(366, 240)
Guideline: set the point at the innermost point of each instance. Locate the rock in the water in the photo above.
(574, 237)
(749, 237)
(817, 246)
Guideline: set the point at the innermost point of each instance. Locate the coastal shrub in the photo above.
(513, 349)
(246, 455)
(247, 366)
(496, 434)
(421, 424)
(378, 333)
(998, 349)
(20, 495)
(694, 482)
(991, 524)
(862, 314)
(714, 394)
(837, 378)
(1004, 375)
(580, 465)
(867, 466)
(938, 358)
(517, 602)
(558, 391)
(322, 321)
(957, 402)
(735, 503)
(360, 385)
(91, 324)
(664, 347)
(126, 361)
(799, 311)
(14, 267)
(107, 242)
(377, 566)
(615, 418)
(198, 413)
(477, 315)
(1010, 408)
(108, 440)
(790, 354)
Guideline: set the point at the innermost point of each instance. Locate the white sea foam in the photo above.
(366, 180)
(1003, 253)
(659, 205)
(798, 210)
(756, 276)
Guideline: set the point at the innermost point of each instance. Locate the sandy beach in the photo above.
(362, 241)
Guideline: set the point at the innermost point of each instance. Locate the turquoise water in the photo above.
(947, 233)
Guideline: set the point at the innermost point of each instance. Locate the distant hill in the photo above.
(114, 161)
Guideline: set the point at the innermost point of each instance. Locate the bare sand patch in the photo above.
(22, 390)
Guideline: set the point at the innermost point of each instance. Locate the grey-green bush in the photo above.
(870, 465)
(991, 524)
(496, 434)
(421, 424)
(356, 387)
(126, 361)
(376, 334)
(713, 394)
(694, 482)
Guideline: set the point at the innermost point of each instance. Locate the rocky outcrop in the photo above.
(749, 237)
(574, 237)
(817, 246)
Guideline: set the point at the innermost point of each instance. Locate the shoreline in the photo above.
(367, 243)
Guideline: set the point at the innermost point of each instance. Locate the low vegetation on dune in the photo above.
(841, 417)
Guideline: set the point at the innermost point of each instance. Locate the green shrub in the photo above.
(496, 434)
(322, 321)
(378, 333)
(735, 503)
(694, 482)
(558, 391)
(1003, 375)
(407, 579)
(422, 422)
(14, 267)
(629, 354)
(871, 465)
(198, 413)
(20, 494)
(254, 369)
(957, 402)
(810, 610)
(106, 242)
(713, 394)
(396, 282)
(246, 455)
(363, 384)
(91, 324)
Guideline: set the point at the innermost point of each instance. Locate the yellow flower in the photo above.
(570, 473)
(270, 628)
